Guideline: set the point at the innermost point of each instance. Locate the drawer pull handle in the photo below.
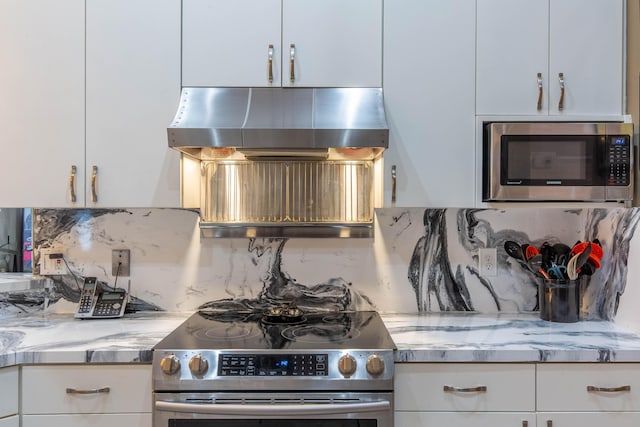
(539, 104)
(593, 389)
(72, 183)
(478, 389)
(90, 391)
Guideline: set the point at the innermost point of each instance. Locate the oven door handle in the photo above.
(274, 409)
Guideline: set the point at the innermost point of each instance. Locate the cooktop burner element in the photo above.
(232, 351)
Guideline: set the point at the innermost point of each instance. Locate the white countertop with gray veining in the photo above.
(59, 338)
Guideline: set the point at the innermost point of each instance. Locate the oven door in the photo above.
(273, 409)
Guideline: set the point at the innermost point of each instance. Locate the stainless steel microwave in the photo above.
(558, 161)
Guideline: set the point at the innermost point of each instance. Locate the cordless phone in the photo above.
(96, 303)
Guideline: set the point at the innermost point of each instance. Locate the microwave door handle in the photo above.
(274, 409)
(539, 106)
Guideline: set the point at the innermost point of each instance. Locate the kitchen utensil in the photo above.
(514, 250)
(530, 252)
(575, 264)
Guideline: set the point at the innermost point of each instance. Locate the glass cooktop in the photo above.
(228, 330)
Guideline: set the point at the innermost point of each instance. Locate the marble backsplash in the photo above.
(421, 260)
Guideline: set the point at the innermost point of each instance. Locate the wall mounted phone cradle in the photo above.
(98, 303)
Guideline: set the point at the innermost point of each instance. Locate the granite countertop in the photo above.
(59, 338)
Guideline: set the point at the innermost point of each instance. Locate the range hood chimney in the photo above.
(281, 162)
(278, 122)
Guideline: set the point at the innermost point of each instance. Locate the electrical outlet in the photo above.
(488, 262)
(51, 262)
(120, 262)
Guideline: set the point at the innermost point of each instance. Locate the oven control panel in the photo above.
(271, 365)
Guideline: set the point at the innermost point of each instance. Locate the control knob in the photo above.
(198, 365)
(375, 365)
(347, 365)
(170, 364)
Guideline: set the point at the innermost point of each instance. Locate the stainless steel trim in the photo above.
(89, 391)
(393, 185)
(270, 64)
(94, 191)
(561, 101)
(539, 104)
(451, 389)
(72, 183)
(241, 230)
(279, 119)
(274, 409)
(594, 389)
(292, 57)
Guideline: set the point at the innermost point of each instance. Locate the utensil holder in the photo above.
(560, 300)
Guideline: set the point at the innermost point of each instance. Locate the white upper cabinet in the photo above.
(550, 57)
(41, 102)
(133, 87)
(331, 43)
(429, 78)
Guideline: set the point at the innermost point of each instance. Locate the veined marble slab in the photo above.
(460, 337)
(60, 338)
(465, 337)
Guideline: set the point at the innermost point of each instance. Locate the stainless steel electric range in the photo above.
(285, 369)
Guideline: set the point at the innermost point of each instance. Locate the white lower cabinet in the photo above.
(12, 421)
(9, 386)
(81, 395)
(517, 394)
(452, 394)
(588, 394)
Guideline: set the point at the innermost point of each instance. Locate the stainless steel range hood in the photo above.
(281, 162)
(278, 122)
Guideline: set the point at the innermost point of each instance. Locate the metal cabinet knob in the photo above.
(347, 365)
(170, 364)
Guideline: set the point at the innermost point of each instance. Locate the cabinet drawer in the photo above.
(507, 387)
(564, 387)
(465, 419)
(590, 419)
(9, 391)
(13, 421)
(84, 420)
(45, 389)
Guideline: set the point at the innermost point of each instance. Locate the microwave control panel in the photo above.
(618, 152)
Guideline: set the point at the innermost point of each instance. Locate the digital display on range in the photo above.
(273, 365)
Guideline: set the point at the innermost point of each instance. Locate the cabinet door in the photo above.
(429, 81)
(9, 390)
(337, 42)
(513, 42)
(464, 419)
(133, 87)
(122, 389)
(41, 102)
(13, 421)
(84, 420)
(590, 419)
(226, 43)
(587, 47)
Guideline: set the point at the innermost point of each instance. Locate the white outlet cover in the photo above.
(488, 262)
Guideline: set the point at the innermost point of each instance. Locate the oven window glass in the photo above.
(549, 160)
(273, 423)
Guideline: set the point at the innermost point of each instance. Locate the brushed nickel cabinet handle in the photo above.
(89, 391)
(525, 423)
(539, 107)
(561, 101)
(549, 423)
(270, 64)
(478, 389)
(292, 61)
(594, 389)
(393, 185)
(94, 176)
(72, 183)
